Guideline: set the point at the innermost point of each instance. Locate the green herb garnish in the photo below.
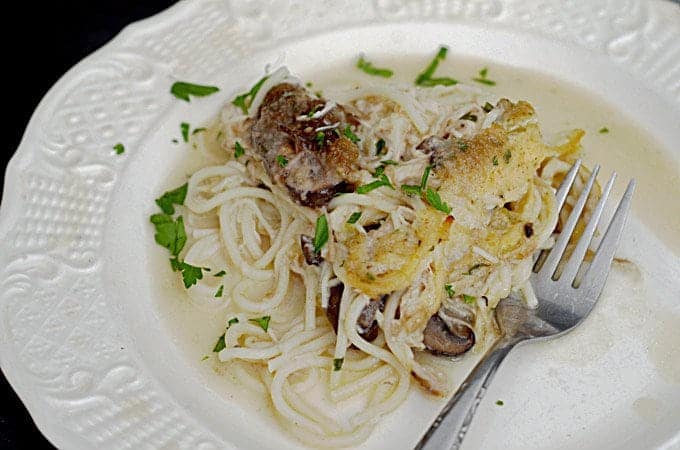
(190, 274)
(351, 136)
(263, 322)
(383, 181)
(170, 198)
(308, 84)
(462, 145)
(219, 292)
(469, 299)
(603, 130)
(320, 233)
(185, 131)
(170, 233)
(182, 90)
(379, 171)
(468, 116)
(411, 189)
(371, 70)
(283, 162)
(483, 79)
(426, 175)
(244, 101)
(198, 130)
(238, 150)
(337, 363)
(432, 197)
(320, 136)
(354, 217)
(449, 290)
(506, 156)
(425, 78)
(499, 402)
(220, 345)
(494, 161)
(389, 162)
(487, 107)
(221, 273)
(119, 148)
(380, 147)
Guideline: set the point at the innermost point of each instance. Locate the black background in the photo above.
(41, 41)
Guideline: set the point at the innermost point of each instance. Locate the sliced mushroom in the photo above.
(439, 339)
(311, 257)
(367, 323)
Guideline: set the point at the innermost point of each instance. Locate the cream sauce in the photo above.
(625, 148)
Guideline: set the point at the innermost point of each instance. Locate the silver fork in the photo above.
(563, 302)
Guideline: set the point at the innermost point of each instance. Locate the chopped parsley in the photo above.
(170, 233)
(487, 107)
(370, 276)
(506, 156)
(468, 116)
(119, 148)
(380, 147)
(308, 84)
(314, 110)
(603, 130)
(449, 290)
(283, 162)
(379, 171)
(351, 136)
(263, 322)
(495, 160)
(320, 136)
(469, 299)
(205, 358)
(337, 363)
(462, 145)
(244, 100)
(383, 181)
(389, 162)
(170, 198)
(182, 90)
(354, 217)
(185, 131)
(238, 150)
(221, 273)
(499, 402)
(320, 233)
(198, 130)
(219, 292)
(371, 70)
(483, 79)
(425, 78)
(432, 197)
(426, 175)
(221, 344)
(190, 274)
(411, 189)
(475, 267)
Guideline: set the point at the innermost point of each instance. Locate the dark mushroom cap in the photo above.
(439, 339)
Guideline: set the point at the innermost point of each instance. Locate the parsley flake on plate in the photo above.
(182, 90)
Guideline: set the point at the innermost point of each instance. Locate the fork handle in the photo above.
(449, 428)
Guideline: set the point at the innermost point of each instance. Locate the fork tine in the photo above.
(556, 252)
(565, 187)
(576, 258)
(596, 274)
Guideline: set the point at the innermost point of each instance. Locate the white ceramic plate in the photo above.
(89, 352)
